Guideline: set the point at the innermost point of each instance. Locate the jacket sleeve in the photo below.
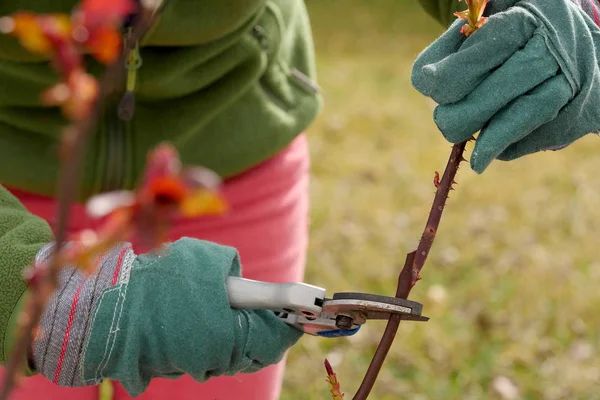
(22, 235)
(443, 10)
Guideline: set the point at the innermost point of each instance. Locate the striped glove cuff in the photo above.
(591, 8)
(66, 321)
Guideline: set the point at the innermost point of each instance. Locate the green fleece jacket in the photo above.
(229, 82)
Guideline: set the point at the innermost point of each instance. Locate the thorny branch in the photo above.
(410, 274)
(412, 267)
(67, 187)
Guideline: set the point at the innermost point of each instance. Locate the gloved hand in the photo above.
(141, 317)
(528, 80)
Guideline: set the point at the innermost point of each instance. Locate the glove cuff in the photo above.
(591, 8)
(66, 321)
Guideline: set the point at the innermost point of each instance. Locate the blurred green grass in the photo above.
(511, 285)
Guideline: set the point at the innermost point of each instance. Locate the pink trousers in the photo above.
(267, 224)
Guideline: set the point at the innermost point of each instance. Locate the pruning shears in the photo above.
(307, 308)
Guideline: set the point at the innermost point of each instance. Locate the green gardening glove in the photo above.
(528, 80)
(141, 317)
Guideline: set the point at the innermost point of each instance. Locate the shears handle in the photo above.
(291, 298)
(297, 304)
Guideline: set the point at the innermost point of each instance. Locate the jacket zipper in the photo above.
(115, 152)
(118, 120)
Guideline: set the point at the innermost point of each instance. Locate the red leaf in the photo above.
(163, 160)
(436, 179)
(105, 12)
(166, 190)
(335, 391)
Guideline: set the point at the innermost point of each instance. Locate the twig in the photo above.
(415, 261)
(410, 273)
(67, 187)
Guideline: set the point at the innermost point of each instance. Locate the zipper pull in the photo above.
(133, 62)
(260, 35)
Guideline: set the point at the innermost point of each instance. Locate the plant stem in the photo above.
(413, 264)
(41, 290)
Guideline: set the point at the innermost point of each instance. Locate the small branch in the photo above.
(67, 187)
(410, 273)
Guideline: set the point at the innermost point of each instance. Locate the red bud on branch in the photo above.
(335, 390)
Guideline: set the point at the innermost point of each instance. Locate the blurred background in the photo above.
(511, 284)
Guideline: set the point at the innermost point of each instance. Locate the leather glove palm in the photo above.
(528, 80)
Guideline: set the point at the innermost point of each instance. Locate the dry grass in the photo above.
(511, 284)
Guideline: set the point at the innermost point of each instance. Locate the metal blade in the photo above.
(364, 306)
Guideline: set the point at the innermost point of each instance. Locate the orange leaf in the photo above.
(56, 95)
(104, 44)
(464, 15)
(202, 202)
(473, 15)
(25, 27)
(89, 245)
(76, 96)
(56, 27)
